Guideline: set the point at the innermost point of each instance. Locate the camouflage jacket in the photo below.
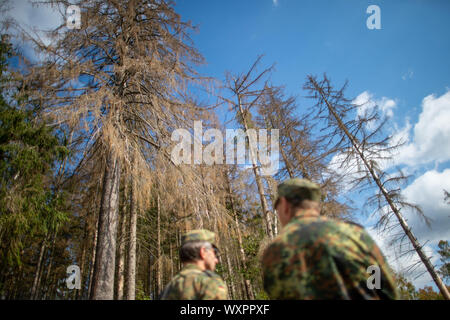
(194, 284)
(320, 258)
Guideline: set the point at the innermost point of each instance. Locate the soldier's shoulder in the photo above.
(211, 275)
(346, 229)
(351, 227)
(330, 225)
(350, 223)
(214, 286)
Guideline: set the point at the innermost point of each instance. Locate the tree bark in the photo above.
(131, 270)
(121, 266)
(265, 208)
(158, 261)
(82, 261)
(50, 264)
(171, 259)
(247, 283)
(38, 269)
(92, 264)
(103, 277)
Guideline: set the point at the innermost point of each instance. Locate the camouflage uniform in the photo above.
(191, 283)
(316, 257)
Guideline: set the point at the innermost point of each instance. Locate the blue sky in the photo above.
(402, 63)
(403, 67)
(312, 37)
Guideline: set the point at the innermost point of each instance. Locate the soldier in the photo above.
(197, 280)
(316, 257)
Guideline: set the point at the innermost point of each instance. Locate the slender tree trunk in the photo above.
(259, 184)
(82, 261)
(248, 285)
(104, 268)
(158, 240)
(273, 190)
(38, 268)
(131, 270)
(39, 283)
(229, 272)
(50, 264)
(121, 266)
(179, 246)
(92, 264)
(151, 278)
(354, 141)
(287, 163)
(171, 259)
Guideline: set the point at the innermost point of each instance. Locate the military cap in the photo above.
(199, 235)
(298, 188)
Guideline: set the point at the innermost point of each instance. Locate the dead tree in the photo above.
(362, 142)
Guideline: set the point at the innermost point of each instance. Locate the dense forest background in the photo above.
(87, 177)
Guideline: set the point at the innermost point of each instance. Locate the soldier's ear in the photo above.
(286, 213)
(202, 253)
(284, 204)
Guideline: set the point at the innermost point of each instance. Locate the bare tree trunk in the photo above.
(417, 246)
(50, 264)
(38, 269)
(92, 264)
(121, 266)
(150, 280)
(273, 190)
(248, 285)
(264, 205)
(171, 259)
(82, 260)
(39, 283)
(179, 246)
(230, 277)
(287, 163)
(158, 240)
(104, 268)
(131, 270)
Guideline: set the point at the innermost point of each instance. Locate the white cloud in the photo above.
(431, 140)
(408, 75)
(34, 19)
(32, 16)
(275, 2)
(408, 265)
(427, 141)
(366, 101)
(427, 191)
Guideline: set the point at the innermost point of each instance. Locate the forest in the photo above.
(88, 177)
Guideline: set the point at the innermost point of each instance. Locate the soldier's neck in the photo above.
(305, 213)
(199, 263)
